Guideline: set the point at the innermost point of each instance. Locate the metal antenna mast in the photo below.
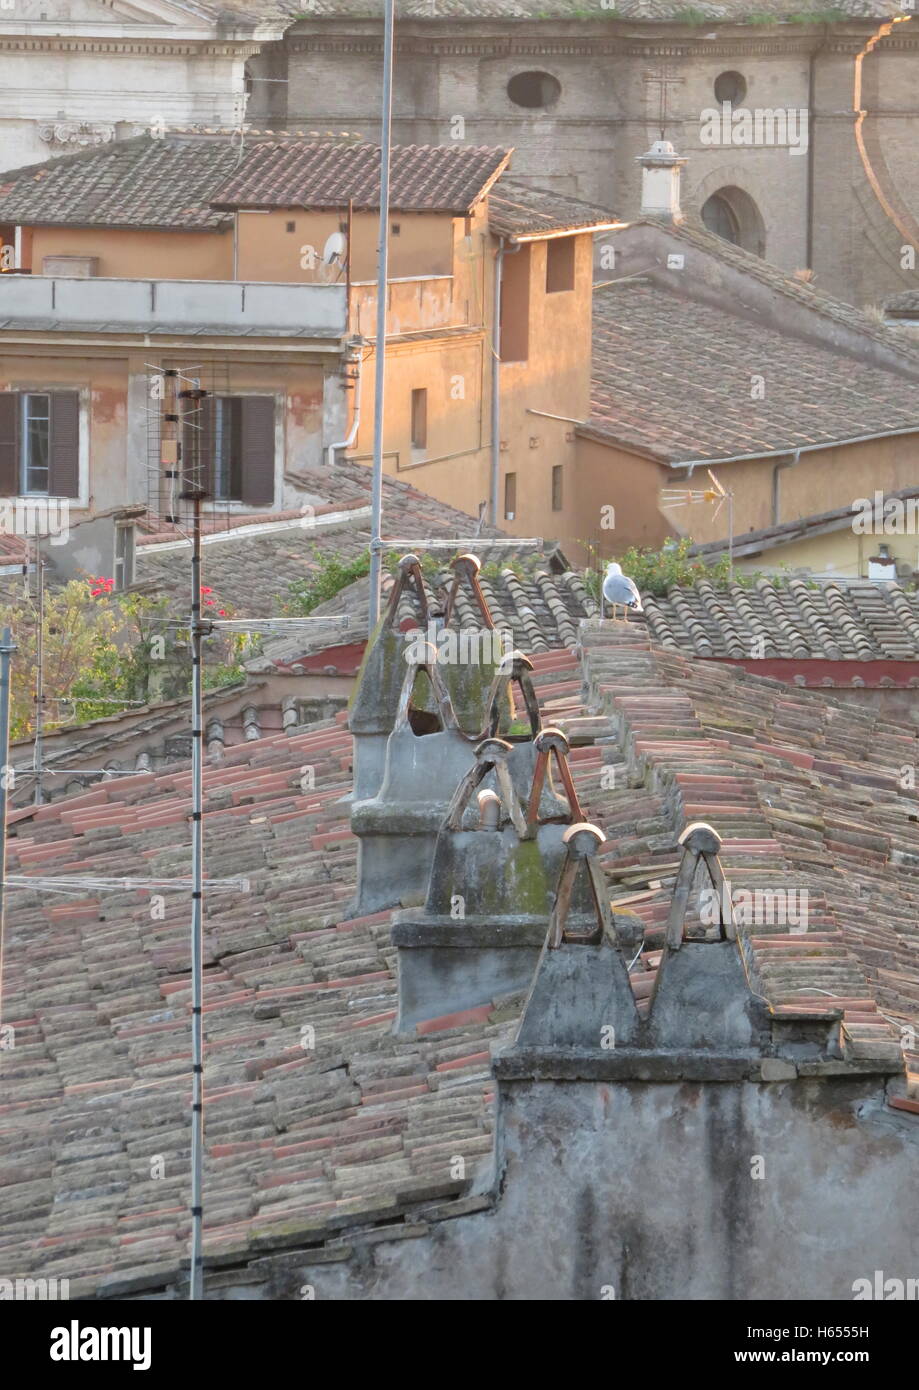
(39, 747)
(376, 542)
(6, 651)
(197, 873)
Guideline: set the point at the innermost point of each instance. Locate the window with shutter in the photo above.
(40, 443)
(9, 443)
(257, 440)
(64, 444)
(228, 446)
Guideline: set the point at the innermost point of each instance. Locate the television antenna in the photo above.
(715, 494)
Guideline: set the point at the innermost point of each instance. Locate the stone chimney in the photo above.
(425, 701)
(660, 181)
(497, 878)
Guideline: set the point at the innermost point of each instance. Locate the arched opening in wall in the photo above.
(535, 90)
(730, 86)
(733, 215)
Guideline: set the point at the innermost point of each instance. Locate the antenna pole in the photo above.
(197, 867)
(376, 525)
(6, 651)
(39, 747)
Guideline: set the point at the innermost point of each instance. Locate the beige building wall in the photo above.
(288, 244)
(821, 481)
(114, 387)
(614, 503)
(844, 553)
(140, 255)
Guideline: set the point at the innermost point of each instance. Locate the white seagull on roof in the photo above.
(618, 589)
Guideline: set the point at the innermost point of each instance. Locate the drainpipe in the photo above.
(502, 251)
(777, 468)
(346, 443)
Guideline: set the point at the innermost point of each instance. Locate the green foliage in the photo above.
(656, 571)
(103, 652)
(331, 574)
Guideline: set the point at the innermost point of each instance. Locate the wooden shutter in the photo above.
(9, 443)
(64, 472)
(258, 451)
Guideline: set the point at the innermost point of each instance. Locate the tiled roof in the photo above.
(655, 11)
(144, 182)
(155, 737)
(691, 232)
(905, 304)
(532, 598)
(672, 378)
(516, 210)
(251, 570)
(423, 178)
(307, 1143)
(857, 621)
(98, 994)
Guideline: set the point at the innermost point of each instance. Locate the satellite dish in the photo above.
(334, 256)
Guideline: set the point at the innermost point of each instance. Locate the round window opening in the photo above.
(534, 89)
(731, 87)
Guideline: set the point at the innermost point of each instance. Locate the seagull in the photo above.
(618, 589)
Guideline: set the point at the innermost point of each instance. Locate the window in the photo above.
(395, 228)
(730, 87)
(40, 443)
(228, 448)
(419, 419)
(534, 89)
(732, 214)
(557, 488)
(124, 556)
(291, 226)
(719, 218)
(510, 496)
(515, 306)
(560, 265)
(35, 444)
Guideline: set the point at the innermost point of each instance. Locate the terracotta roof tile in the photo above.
(423, 178)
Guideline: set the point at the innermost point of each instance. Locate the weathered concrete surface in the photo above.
(649, 1191)
(484, 923)
(443, 969)
(701, 999)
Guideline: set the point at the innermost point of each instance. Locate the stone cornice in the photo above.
(178, 47)
(605, 45)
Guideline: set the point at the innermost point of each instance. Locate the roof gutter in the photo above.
(520, 237)
(792, 453)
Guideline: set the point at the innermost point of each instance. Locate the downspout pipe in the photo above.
(502, 251)
(355, 425)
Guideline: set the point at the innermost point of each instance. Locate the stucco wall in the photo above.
(820, 482)
(635, 1191)
(114, 419)
(139, 255)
